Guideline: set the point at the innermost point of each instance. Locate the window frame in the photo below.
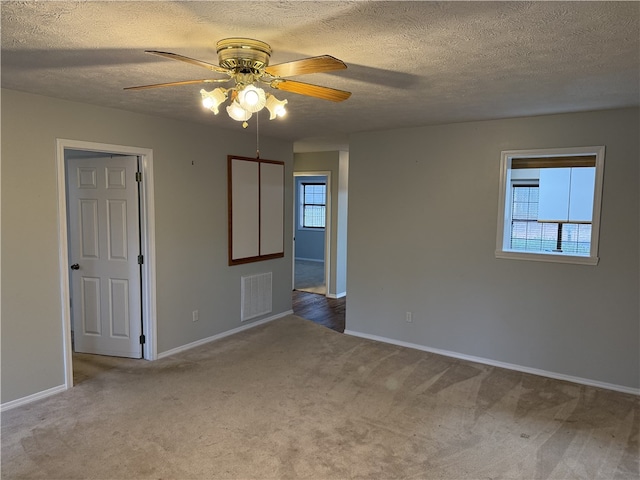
(303, 205)
(505, 201)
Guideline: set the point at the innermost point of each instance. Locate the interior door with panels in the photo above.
(104, 244)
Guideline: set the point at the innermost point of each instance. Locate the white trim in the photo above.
(495, 363)
(546, 257)
(148, 236)
(219, 336)
(63, 255)
(148, 240)
(504, 203)
(337, 295)
(32, 398)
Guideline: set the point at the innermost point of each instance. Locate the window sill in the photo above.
(311, 229)
(546, 257)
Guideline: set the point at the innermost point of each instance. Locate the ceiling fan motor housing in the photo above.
(243, 55)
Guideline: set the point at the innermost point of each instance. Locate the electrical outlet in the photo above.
(195, 315)
(409, 317)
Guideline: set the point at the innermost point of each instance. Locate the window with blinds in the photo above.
(550, 205)
(530, 234)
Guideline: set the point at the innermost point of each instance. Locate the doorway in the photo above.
(311, 265)
(137, 282)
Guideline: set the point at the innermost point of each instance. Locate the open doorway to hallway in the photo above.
(324, 306)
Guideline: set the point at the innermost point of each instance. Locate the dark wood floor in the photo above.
(329, 312)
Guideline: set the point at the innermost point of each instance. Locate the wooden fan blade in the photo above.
(310, 90)
(175, 84)
(192, 61)
(323, 63)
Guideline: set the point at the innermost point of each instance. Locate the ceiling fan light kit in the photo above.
(252, 98)
(246, 62)
(238, 113)
(276, 107)
(213, 99)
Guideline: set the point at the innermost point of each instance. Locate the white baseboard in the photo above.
(228, 333)
(337, 295)
(495, 363)
(32, 398)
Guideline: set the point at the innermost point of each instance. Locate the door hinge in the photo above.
(140, 259)
(138, 176)
(142, 339)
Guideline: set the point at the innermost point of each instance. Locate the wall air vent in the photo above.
(255, 296)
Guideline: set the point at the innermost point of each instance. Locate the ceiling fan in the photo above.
(245, 62)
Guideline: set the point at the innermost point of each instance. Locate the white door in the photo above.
(103, 254)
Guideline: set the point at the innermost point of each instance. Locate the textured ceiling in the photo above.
(409, 63)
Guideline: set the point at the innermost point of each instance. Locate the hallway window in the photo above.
(313, 205)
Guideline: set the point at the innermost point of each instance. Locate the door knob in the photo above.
(75, 266)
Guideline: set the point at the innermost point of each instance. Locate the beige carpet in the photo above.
(293, 400)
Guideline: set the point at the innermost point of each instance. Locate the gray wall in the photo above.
(309, 242)
(337, 163)
(423, 208)
(191, 229)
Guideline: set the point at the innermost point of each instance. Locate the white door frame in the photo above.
(327, 226)
(147, 240)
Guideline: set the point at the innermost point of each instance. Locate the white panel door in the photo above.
(103, 253)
